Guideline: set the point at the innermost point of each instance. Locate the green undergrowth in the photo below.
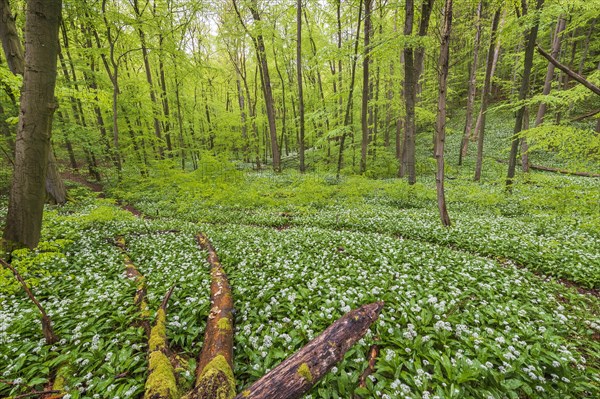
(455, 324)
(550, 224)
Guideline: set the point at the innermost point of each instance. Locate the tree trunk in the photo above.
(472, 88)
(27, 194)
(13, 51)
(530, 39)
(408, 150)
(441, 113)
(11, 43)
(485, 95)
(366, 93)
(300, 89)
(348, 114)
(419, 57)
(560, 26)
(144, 47)
(524, 145)
(300, 372)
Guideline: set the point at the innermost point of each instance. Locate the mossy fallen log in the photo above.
(161, 382)
(214, 372)
(140, 282)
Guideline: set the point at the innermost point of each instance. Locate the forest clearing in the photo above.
(299, 199)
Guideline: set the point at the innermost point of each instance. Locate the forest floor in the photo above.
(502, 304)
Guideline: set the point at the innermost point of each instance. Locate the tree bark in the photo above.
(560, 26)
(142, 35)
(486, 95)
(348, 113)
(300, 89)
(530, 39)
(27, 194)
(11, 43)
(408, 150)
(56, 192)
(366, 93)
(214, 372)
(441, 113)
(472, 88)
(300, 372)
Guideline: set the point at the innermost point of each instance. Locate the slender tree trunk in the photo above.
(560, 26)
(27, 194)
(486, 95)
(165, 99)
(366, 93)
(144, 47)
(408, 150)
(472, 87)
(419, 52)
(530, 38)
(348, 114)
(300, 89)
(441, 113)
(524, 145)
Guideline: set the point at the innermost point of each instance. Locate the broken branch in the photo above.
(568, 71)
(49, 334)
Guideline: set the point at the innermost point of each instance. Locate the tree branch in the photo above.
(568, 71)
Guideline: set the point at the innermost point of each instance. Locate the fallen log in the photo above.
(300, 372)
(564, 172)
(214, 372)
(574, 75)
(140, 281)
(47, 330)
(161, 382)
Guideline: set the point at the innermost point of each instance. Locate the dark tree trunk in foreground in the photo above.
(530, 39)
(441, 113)
(298, 373)
(55, 188)
(485, 96)
(574, 75)
(27, 194)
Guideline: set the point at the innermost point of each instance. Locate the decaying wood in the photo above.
(297, 374)
(373, 353)
(140, 294)
(214, 372)
(49, 334)
(564, 172)
(574, 75)
(161, 382)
